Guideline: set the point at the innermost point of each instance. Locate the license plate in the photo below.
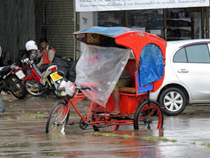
(20, 74)
(55, 76)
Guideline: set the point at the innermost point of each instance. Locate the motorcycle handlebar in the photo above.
(26, 60)
(13, 65)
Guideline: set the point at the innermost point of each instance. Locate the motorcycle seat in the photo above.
(36, 69)
(61, 73)
(48, 71)
(4, 70)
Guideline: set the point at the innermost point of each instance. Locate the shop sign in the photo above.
(106, 5)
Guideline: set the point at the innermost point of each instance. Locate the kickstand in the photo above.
(72, 122)
(148, 97)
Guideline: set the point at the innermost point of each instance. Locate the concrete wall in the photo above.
(17, 25)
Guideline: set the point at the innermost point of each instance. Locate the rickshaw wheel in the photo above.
(148, 115)
(104, 127)
(57, 119)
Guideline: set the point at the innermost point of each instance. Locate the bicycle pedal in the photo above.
(98, 112)
(103, 114)
(72, 122)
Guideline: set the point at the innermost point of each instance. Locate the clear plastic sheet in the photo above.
(100, 69)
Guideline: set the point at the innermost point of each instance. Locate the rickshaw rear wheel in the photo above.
(58, 118)
(101, 128)
(148, 115)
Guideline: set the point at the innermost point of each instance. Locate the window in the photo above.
(180, 56)
(182, 23)
(198, 54)
(111, 18)
(193, 54)
(147, 20)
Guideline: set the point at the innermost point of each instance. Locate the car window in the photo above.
(193, 54)
(198, 53)
(180, 56)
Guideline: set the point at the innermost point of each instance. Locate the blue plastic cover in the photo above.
(151, 67)
(145, 88)
(108, 31)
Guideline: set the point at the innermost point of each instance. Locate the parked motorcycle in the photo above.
(11, 80)
(37, 83)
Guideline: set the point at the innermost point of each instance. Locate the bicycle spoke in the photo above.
(57, 118)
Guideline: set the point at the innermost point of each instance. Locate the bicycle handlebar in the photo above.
(88, 86)
(84, 88)
(73, 89)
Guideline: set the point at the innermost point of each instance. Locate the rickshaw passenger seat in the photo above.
(127, 90)
(130, 68)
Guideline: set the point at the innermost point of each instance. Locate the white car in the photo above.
(187, 76)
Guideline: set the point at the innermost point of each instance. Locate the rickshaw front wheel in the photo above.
(58, 118)
(148, 115)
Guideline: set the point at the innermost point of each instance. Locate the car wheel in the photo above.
(174, 101)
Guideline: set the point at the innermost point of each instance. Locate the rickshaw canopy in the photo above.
(148, 51)
(124, 36)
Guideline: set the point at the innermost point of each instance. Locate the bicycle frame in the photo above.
(86, 119)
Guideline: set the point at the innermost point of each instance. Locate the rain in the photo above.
(23, 123)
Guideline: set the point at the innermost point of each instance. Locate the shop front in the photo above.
(170, 24)
(168, 19)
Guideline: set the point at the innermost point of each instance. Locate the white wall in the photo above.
(86, 21)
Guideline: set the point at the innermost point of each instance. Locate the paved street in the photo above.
(22, 134)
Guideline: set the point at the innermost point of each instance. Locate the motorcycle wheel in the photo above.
(33, 88)
(17, 87)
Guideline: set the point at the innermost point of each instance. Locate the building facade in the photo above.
(23, 20)
(17, 25)
(58, 19)
(171, 22)
(55, 20)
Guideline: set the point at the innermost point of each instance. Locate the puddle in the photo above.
(186, 135)
(28, 139)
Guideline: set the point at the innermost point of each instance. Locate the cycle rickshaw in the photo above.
(108, 51)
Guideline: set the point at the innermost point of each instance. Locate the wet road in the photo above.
(22, 134)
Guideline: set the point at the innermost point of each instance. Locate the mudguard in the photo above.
(28, 78)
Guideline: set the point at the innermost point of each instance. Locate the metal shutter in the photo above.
(59, 24)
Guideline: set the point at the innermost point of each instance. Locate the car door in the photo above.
(191, 64)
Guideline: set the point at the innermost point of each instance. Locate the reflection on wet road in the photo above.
(22, 134)
(182, 137)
